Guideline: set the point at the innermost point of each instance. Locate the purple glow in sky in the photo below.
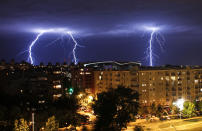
(109, 30)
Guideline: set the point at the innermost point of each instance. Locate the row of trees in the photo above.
(153, 110)
(51, 125)
(190, 109)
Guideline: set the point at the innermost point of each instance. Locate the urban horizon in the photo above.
(85, 62)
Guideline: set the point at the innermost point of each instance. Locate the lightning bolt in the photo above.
(74, 49)
(150, 49)
(155, 35)
(32, 44)
(61, 31)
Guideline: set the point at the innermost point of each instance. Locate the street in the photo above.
(191, 124)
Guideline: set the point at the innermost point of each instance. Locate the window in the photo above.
(57, 86)
(144, 84)
(144, 90)
(172, 78)
(100, 77)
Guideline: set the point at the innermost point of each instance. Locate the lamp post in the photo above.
(33, 110)
(33, 121)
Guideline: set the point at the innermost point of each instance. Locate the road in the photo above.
(192, 124)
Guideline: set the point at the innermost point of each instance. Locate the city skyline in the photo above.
(103, 36)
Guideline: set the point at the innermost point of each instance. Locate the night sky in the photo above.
(105, 29)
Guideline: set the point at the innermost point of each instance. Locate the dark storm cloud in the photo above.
(106, 23)
(96, 17)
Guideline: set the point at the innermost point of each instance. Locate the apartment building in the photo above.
(110, 74)
(164, 85)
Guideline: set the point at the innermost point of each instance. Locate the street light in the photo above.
(180, 104)
(90, 97)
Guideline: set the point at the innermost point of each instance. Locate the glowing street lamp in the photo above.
(180, 104)
(90, 98)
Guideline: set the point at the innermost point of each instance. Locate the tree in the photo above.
(198, 106)
(51, 124)
(153, 109)
(114, 108)
(21, 125)
(159, 111)
(189, 109)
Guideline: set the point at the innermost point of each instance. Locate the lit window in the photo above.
(56, 72)
(58, 95)
(144, 90)
(144, 84)
(161, 78)
(100, 77)
(41, 102)
(57, 86)
(172, 78)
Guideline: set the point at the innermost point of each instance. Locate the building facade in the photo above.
(160, 85)
(164, 85)
(112, 74)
